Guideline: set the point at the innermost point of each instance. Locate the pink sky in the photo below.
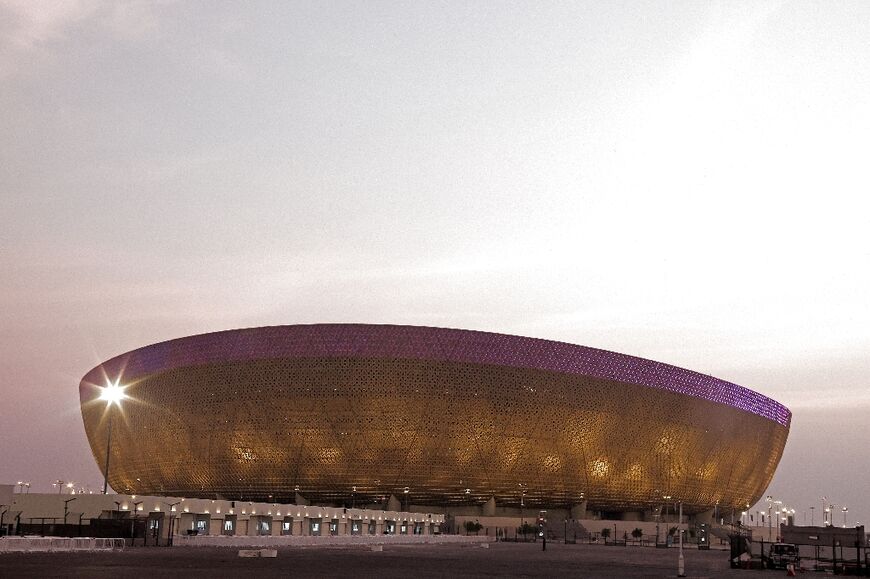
(682, 183)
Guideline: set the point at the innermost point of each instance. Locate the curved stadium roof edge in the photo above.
(441, 344)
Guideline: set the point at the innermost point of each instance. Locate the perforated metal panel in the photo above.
(454, 417)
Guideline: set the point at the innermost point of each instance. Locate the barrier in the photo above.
(59, 544)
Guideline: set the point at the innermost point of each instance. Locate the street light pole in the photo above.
(113, 393)
(170, 507)
(681, 571)
(108, 453)
(523, 511)
(658, 521)
(133, 522)
(66, 508)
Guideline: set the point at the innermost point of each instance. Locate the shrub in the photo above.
(637, 533)
(605, 532)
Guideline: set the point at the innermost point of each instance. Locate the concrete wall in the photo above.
(617, 528)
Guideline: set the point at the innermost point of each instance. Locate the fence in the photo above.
(837, 558)
(58, 544)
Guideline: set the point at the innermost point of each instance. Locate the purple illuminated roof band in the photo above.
(439, 344)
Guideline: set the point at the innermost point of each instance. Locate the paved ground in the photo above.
(499, 560)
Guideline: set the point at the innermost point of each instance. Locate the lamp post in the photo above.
(845, 510)
(112, 394)
(170, 508)
(66, 508)
(681, 571)
(407, 499)
(667, 499)
(658, 523)
(777, 508)
(108, 455)
(523, 510)
(134, 520)
(812, 516)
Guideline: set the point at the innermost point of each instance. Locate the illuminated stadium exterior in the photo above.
(352, 412)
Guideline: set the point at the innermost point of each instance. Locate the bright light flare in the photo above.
(113, 393)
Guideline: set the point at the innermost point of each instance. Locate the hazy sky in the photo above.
(681, 181)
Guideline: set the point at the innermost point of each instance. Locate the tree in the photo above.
(472, 527)
(637, 533)
(527, 529)
(605, 532)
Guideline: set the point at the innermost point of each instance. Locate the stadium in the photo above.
(353, 414)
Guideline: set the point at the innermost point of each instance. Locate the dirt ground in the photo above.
(499, 560)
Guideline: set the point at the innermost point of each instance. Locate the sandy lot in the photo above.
(499, 560)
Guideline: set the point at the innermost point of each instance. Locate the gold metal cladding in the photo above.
(449, 433)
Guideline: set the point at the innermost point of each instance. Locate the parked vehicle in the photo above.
(780, 555)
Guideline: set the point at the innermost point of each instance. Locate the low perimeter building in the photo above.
(156, 517)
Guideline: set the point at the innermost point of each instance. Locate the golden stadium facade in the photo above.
(341, 412)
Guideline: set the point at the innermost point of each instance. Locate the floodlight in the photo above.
(113, 394)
